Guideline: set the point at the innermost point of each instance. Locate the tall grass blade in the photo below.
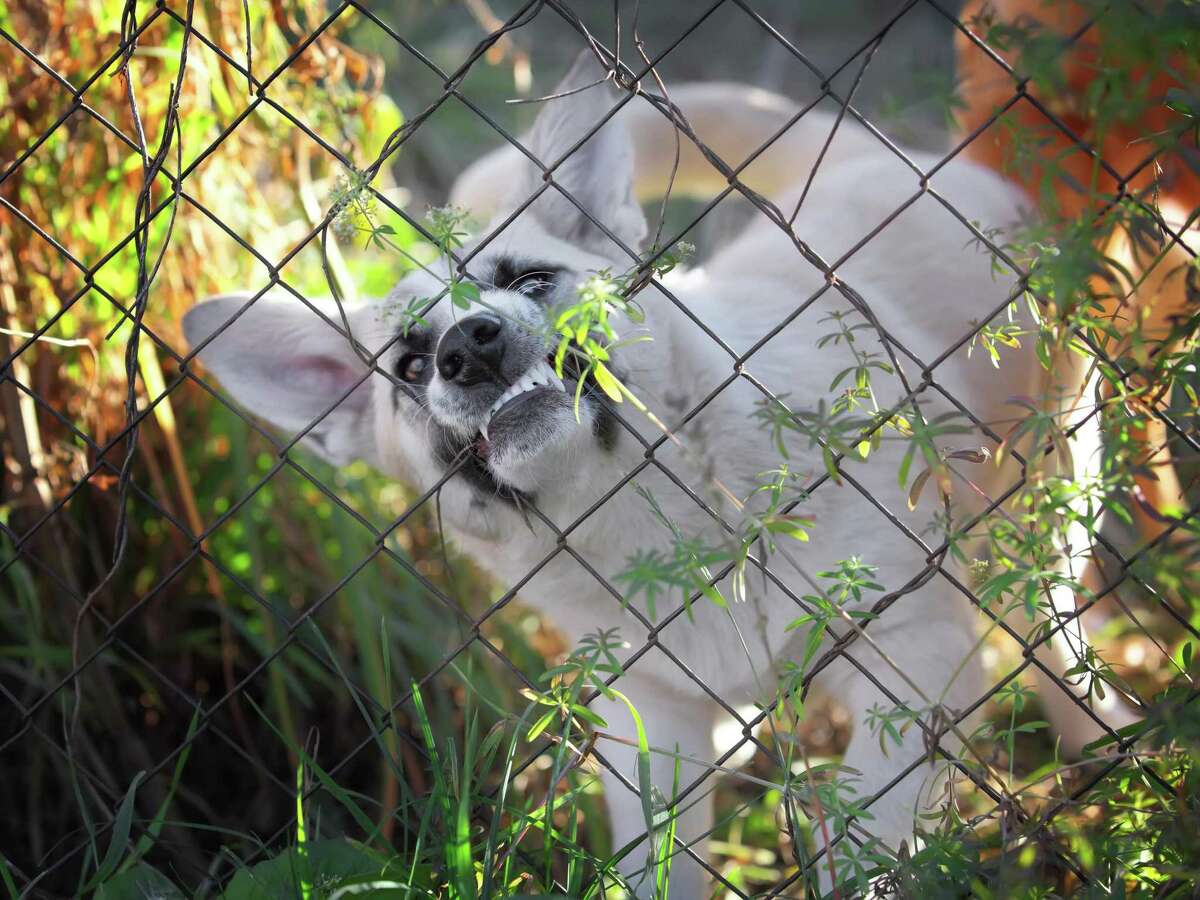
(302, 838)
(120, 836)
(327, 782)
(666, 854)
(148, 838)
(7, 879)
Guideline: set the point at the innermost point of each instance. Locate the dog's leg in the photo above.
(673, 723)
(1073, 715)
(1156, 301)
(1152, 305)
(938, 672)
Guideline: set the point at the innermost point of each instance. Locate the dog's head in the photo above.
(466, 389)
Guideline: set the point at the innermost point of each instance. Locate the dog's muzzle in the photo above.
(473, 350)
(501, 370)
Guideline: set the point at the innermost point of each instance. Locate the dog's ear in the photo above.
(598, 174)
(281, 361)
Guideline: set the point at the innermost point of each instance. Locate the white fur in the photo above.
(923, 283)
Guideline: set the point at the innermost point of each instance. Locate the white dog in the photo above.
(474, 389)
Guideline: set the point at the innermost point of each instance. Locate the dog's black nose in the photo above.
(472, 350)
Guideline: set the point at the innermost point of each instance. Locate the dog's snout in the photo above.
(472, 350)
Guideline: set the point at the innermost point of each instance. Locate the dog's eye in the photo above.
(536, 283)
(411, 367)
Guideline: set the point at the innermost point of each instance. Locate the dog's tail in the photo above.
(760, 136)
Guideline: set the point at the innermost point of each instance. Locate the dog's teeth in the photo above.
(541, 375)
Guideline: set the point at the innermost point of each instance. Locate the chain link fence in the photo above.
(157, 735)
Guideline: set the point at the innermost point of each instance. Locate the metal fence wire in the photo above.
(126, 788)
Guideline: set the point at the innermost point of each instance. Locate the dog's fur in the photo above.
(924, 282)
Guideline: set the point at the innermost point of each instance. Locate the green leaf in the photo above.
(645, 788)
(139, 883)
(998, 584)
(7, 879)
(714, 596)
(791, 526)
(541, 724)
(120, 836)
(146, 841)
(458, 851)
(812, 643)
(607, 381)
(578, 395)
(335, 789)
(302, 836)
(334, 864)
(830, 462)
(560, 354)
(463, 293)
(588, 716)
(906, 463)
(803, 620)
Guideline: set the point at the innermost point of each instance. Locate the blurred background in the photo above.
(315, 596)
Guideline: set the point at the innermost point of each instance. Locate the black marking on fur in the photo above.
(604, 428)
(455, 453)
(536, 280)
(417, 340)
